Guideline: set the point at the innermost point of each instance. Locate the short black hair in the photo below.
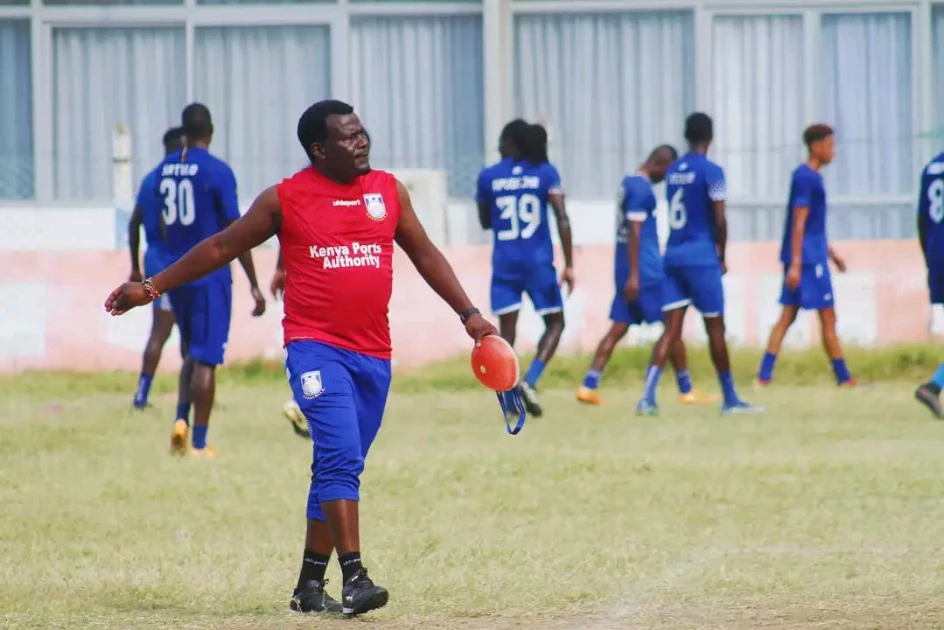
(173, 139)
(535, 142)
(313, 124)
(815, 133)
(699, 128)
(668, 148)
(196, 121)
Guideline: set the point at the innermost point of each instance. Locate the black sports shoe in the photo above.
(530, 398)
(311, 598)
(930, 399)
(361, 595)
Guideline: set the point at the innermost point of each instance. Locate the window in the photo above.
(106, 76)
(16, 114)
(257, 81)
(419, 89)
(867, 96)
(611, 87)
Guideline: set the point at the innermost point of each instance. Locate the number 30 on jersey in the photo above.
(178, 201)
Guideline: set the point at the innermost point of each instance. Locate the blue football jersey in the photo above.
(151, 206)
(931, 212)
(198, 193)
(517, 193)
(693, 182)
(806, 191)
(637, 204)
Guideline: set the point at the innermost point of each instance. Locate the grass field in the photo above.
(826, 512)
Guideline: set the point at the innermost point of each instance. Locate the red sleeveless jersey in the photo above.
(337, 249)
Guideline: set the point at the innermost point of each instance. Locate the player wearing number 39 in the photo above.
(513, 198)
(198, 192)
(931, 238)
(694, 262)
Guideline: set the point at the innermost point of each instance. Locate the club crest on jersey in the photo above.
(312, 387)
(376, 209)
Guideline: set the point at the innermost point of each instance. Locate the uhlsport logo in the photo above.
(376, 209)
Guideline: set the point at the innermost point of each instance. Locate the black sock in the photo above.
(933, 388)
(314, 566)
(350, 564)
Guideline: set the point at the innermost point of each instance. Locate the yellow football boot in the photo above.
(179, 438)
(589, 396)
(698, 398)
(206, 452)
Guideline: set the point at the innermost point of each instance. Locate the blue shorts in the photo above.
(646, 309)
(539, 282)
(698, 286)
(203, 313)
(153, 265)
(815, 291)
(936, 288)
(343, 395)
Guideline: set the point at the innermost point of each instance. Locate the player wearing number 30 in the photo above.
(931, 238)
(199, 196)
(694, 261)
(513, 197)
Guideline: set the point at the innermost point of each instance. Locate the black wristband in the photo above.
(467, 313)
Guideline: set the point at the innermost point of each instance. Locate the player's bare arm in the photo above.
(556, 201)
(134, 243)
(721, 232)
(260, 223)
(249, 268)
(433, 266)
(800, 215)
(277, 286)
(633, 244)
(485, 215)
(838, 260)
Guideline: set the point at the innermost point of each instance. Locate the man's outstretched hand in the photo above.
(477, 327)
(126, 297)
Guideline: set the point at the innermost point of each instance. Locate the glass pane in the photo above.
(103, 77)
(16, 113)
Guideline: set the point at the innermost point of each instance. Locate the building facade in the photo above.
(435, 81)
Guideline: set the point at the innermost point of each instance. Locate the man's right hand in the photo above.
(277, 286)
(631, 288)
(126, 297)
(793, 276)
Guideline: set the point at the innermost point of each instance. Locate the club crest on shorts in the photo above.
(376, 209)
(312, 387)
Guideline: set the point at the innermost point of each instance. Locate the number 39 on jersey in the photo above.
(178, 201)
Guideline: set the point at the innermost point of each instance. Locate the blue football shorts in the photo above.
(815, 291)
(698, 286)
(538, 281)
(203, 314)
(343, 395)
(646, 309)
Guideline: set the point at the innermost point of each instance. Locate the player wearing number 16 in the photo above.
(198, 192)
(694, 261)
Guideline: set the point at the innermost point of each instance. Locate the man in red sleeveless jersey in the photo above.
(336, 222)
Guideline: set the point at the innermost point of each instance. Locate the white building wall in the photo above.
(435, 81)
